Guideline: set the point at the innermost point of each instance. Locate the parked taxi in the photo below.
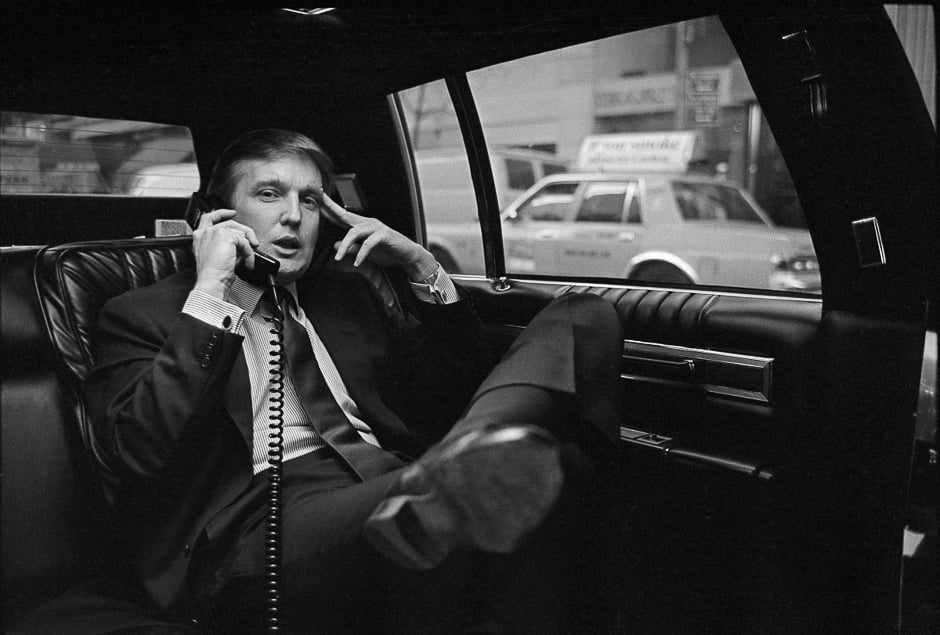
(656, 227)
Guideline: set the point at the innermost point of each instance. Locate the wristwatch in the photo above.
(439, 295)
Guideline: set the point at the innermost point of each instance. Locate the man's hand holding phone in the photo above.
(220, 244)
(370, 239)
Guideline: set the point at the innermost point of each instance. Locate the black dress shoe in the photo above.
(484, 490)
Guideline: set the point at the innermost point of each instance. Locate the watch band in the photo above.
(439, 295)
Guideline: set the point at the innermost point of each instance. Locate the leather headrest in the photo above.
(73, 282)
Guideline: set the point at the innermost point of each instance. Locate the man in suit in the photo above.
(385, 499)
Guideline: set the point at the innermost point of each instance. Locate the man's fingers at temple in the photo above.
(339, 215)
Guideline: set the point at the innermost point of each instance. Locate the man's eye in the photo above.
(267, 194)
(311, 202)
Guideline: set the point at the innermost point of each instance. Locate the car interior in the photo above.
(778, 447)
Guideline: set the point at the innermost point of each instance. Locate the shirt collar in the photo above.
(245, 295)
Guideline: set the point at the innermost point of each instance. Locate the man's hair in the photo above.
(265, 145)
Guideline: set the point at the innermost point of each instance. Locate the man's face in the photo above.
(280, 200)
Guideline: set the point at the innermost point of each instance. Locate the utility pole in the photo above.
(419, 115)
(683, 35)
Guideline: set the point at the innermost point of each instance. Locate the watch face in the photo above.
(431, 280)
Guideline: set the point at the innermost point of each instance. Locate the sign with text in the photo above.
(636, 95)
(637, 152)
(703, 97)
(656, 92)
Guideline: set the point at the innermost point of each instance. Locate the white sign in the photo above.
(657, 92)
(635, 95)
(637, 152)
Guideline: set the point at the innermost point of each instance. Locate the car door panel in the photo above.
(710, 379)
(723, 414)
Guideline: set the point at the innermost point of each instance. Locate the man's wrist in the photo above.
(421, 270)
(215, 288)
(437, 288)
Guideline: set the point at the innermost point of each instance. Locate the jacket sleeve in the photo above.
(159, 380)
(438, 359)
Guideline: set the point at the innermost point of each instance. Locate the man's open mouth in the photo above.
(287, 242)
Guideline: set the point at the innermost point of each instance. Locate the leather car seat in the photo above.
(72, 283)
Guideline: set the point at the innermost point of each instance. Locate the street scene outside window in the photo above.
(61, 154)
(639, 157)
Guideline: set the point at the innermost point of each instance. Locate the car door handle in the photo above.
(682, 370)
(626, 237)
(546, 234)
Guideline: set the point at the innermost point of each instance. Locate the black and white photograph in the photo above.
(469, 318)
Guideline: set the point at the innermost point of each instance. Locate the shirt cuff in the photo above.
(214, 312)
(443, 283)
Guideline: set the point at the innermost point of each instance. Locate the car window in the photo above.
(662, 103)
(551, 203)
(705, 201)
(915, 26)
(521, 174)
(633, 213)
(62, 154)
(444, 181)
(602, 203)
(670, 103)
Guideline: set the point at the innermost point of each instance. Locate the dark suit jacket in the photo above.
(170, 404)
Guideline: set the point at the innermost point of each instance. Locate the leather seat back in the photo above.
(52, 534)
(74, 281)
(55, 530)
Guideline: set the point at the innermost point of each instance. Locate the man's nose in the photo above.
(290, 214)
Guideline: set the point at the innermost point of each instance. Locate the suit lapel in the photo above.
(238, 399)
(238, 390)
(343, 341)
(334, 310)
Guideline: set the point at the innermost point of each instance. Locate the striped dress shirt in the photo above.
(241, 310)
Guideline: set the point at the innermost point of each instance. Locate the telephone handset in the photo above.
(262, 275)
(265, 266)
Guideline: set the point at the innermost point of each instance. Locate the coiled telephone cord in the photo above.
(272, 541)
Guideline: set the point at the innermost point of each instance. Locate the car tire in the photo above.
(445, 260)
(660, 272)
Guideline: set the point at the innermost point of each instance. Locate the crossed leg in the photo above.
(560, 374)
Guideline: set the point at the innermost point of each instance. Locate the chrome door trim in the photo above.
(567, 285)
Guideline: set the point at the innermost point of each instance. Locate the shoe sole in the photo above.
(499, 490)
(484, 496)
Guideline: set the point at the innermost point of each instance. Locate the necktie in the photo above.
(327, 417)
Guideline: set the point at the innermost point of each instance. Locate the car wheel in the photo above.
(660, 272)
(445, 260)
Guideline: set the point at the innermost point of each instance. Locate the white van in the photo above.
(178, 180)
(447, 189)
